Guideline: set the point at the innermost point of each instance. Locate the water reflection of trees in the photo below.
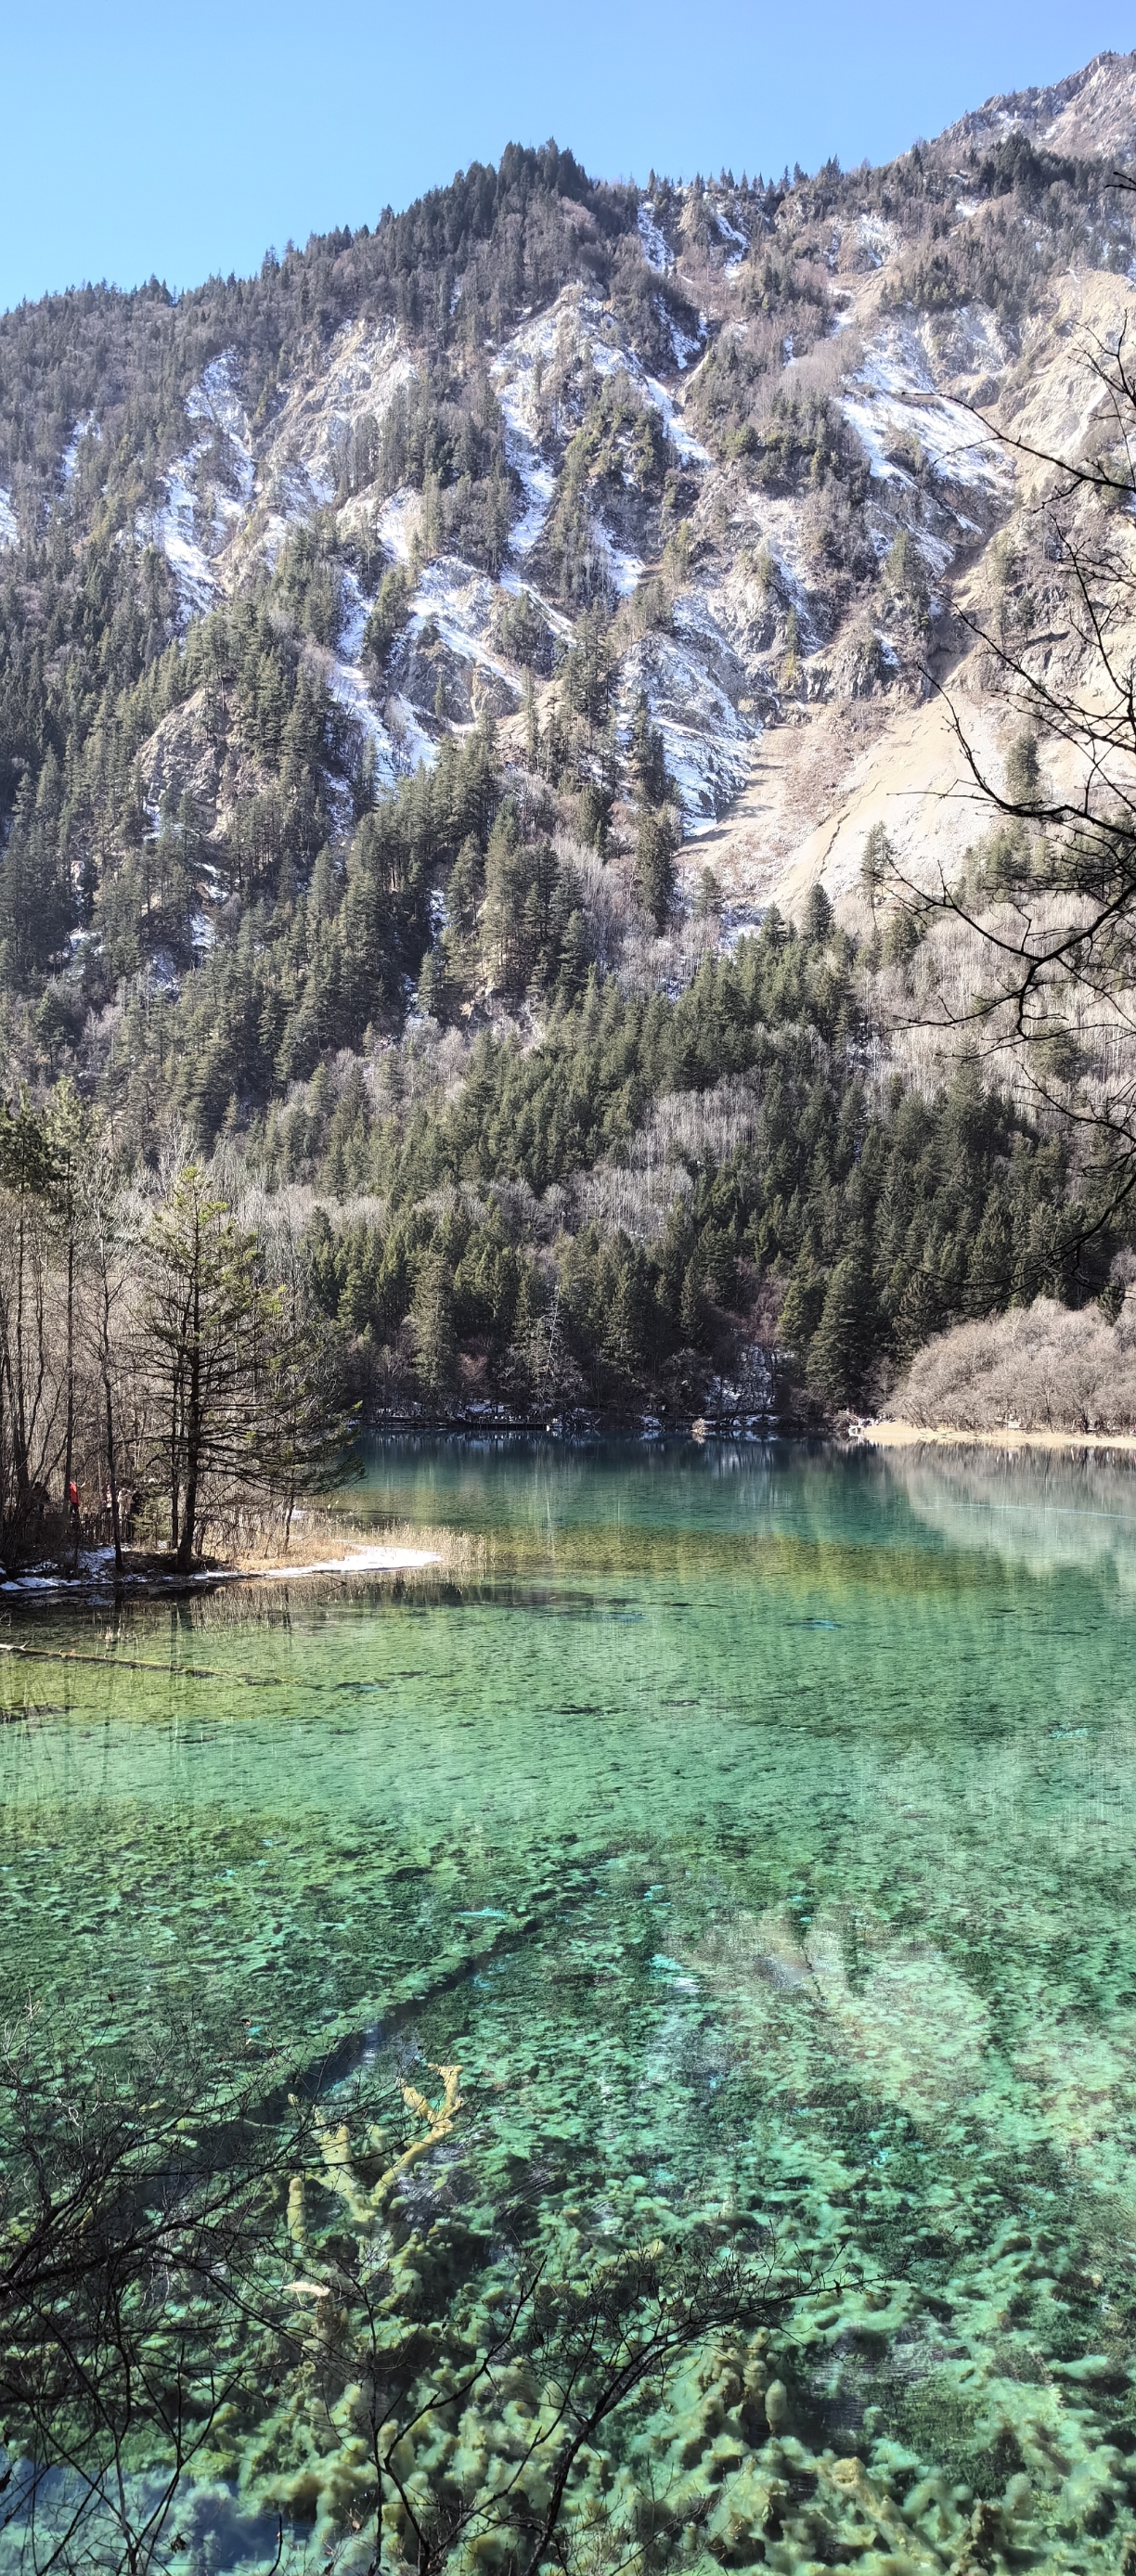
(1032, 1508)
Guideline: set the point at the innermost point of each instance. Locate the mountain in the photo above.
(502, 607)
(1089, 115)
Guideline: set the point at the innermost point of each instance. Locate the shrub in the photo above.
(1038, 1368)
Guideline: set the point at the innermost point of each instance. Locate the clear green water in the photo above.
(758, 1833)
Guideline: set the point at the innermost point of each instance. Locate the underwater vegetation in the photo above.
(717, 1927)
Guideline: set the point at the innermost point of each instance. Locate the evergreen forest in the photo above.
(385, 640)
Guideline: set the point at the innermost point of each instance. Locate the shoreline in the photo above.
(915, 1435)
(150, 1577)
(96, 1579)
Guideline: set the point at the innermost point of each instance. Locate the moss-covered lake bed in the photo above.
(755, 1830)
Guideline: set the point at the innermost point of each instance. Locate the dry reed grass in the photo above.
(255, 1543)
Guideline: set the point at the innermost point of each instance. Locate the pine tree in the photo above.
(1023, 771)
(990, 1267)
(647, 758)
(845, 1338)
(920, 1311)
(587, 674)
(817, 921)
(432, 1325)
(692, 1306)
(875, 866)
(202, 1350)
(28, 1179)
(656, 842)
(574, 957)
(308, 1424)
(801, 1311)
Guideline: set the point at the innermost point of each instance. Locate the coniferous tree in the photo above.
(647, 758)
(202, 1347)
(432, 1325)
(841, 1348)
(656, 842)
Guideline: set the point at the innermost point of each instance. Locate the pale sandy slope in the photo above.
(818, 783)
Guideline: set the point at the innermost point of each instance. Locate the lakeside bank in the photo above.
(917, 1435)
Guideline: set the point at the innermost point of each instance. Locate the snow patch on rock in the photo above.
(538, 481)
(584, 324)
(364, 370)
(399, 521)
(879, 239)
(412, 746)
(974, 344)
(460, 605)
(87, 427)
(730, 233)
(9, 529)
(625, 571)
(684, 347)
(190, 540)
(555, 618)
(172, 528)
(355, 610)
(610, 356)
(682, 439)
(514, 375)
(217, 401)
(893, 397)
(396, 739)
(705, 736)
(767, 523)
(655, 250)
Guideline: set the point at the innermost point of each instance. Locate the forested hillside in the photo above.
(465, 696)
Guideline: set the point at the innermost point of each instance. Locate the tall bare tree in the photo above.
(31, 1396)
(108, 1242)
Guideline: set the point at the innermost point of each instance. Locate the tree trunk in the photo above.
(175, 1471)
(19, 1430)
(69, 1460)
(192, 1434)
(112, 1466)
(112, 1458)
(70, 1445)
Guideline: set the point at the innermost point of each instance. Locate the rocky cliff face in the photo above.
(754, 432)
(1091, 113)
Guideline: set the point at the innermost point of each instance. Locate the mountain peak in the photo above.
(1091, 112)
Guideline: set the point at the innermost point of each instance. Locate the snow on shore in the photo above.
(364, 1560)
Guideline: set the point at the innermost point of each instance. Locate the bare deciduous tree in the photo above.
(1050, 896)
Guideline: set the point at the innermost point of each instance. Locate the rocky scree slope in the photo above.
(735, 421)
(420, 663)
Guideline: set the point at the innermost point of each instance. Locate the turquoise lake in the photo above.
(756, 1829)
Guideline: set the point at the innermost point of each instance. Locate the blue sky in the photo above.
(144, 138)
